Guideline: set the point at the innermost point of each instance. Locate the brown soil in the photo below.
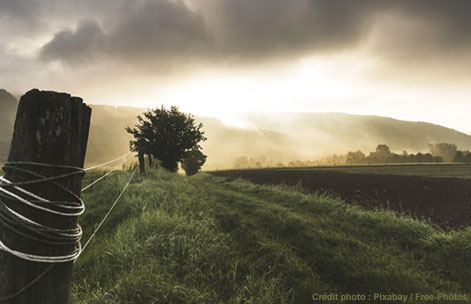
(445, 201)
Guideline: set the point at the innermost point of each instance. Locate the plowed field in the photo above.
(446, 202)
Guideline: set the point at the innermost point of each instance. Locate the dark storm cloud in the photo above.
(268, 27)
(426, 30)
(243, 29)
(248, 30)
(264, 27)
(139, 31)
(159, 28)
(75, 46)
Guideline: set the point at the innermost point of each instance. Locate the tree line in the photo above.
(383, 154)
(450, 153)
(439, 152)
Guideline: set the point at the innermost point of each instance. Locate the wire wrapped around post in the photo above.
(29, 228)
(40, 197)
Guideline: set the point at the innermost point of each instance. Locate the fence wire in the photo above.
(23, 219)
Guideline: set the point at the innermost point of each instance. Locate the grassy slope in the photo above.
(203, 239)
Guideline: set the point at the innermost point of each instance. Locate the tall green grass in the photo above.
(174, 239)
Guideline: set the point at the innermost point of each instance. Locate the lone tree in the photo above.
(167, 135)
(193, 161)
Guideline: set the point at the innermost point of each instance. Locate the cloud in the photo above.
(243, 30)
(422, 42)
(159, 28)
(401, 30)
(77, 46)
(19, 17)
(425, 28)
(161, 35)
(272, 27)
(145, 32)
(15, 8)
(19, 73)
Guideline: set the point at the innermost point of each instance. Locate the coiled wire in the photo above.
(27, 227)
(39, 232)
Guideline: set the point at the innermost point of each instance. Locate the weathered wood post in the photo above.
(142, 164)
(50, 128)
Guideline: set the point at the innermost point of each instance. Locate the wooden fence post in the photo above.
(142, 164)
(50, 128)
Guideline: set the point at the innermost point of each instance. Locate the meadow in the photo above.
(207, 239)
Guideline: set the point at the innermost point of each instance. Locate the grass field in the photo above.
(427, 170)
(205, 239)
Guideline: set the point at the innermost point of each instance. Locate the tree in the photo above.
(382, 154)
(167, 135)
(355, 157)
(241, 162)
(383, 150)
(420, 157)
(428, 158)
(458, 158)
(193, 161)
(462, 157)
(445, 150)
(467, 157)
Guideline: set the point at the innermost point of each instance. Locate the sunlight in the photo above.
(312, 85)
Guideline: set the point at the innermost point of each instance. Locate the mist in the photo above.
(271, 138)
(280, 138)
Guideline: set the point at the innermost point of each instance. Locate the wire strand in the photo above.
(22, 225)
(81, 207)
(109, 211)
(80, 249)
(27, 227)
(108, 162)
(102, 177)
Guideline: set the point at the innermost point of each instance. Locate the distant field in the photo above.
(430, 170)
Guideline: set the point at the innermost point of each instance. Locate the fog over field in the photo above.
(276, 137)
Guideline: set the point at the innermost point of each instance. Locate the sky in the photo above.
(407, 59)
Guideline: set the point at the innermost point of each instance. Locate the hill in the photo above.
(334, 132)
(8, 104)
(108, 139)
(280, 137)
(277, 137)
(175, 239)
